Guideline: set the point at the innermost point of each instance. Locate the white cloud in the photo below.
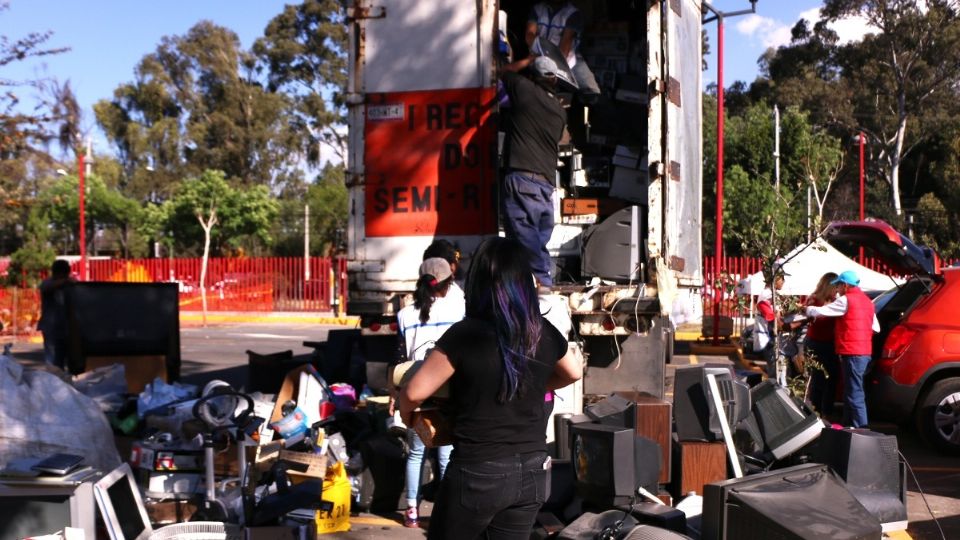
(848, 30)
(769, 32)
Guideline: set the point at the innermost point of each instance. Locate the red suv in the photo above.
(916, 369)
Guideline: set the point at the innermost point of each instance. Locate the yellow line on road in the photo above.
(898, 535)
(694, 359)
(375, 521)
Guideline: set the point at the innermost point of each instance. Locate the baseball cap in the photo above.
(848, 277)
(436, 267)
(545, 66)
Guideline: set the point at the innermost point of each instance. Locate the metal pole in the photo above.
(862, 141)
(776, 148)
(718, 241)
(83, 223)
(306, 244)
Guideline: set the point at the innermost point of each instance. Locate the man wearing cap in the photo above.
(764, 323)
(536, 121)
(853, 340)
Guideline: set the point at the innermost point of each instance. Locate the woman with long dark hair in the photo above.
(499, 361)
(818, 344)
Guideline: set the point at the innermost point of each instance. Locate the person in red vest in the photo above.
(853, 341)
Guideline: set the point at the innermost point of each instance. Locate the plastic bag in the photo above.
(159, 393)
(334, 515)
(40, 414)
(106, 385)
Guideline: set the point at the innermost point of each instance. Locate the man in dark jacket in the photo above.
(853, 340)
(536, 121)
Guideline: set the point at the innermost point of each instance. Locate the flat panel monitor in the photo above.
(796, 503)
(33, 511)
(611, 462)
(785, 424)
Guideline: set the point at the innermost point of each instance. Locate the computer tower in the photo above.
(869, 463)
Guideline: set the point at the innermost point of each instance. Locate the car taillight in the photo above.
(897, 341)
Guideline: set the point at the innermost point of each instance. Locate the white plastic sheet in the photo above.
(40, 414)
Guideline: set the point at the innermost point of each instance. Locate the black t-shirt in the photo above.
(484, 428)
(535, 123)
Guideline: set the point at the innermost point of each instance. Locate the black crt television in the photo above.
(785, 424)
(613, 249)
(796, 503)
(869, 462)
(611, 462)
(695, 414)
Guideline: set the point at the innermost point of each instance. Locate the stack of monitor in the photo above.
(610, 461)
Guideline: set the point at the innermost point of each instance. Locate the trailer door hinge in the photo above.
(373, 12)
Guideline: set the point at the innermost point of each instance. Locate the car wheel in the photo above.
(938, 415)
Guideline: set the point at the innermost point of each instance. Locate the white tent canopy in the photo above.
(805, 269)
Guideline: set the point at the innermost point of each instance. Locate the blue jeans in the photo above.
(55, 351)
(527, 207)
(823, 386)
(854, 400)
(415, 463)
(491, 499)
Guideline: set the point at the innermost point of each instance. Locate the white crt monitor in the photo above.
(36, 510)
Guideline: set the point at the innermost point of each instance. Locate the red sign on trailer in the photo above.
(430, 162)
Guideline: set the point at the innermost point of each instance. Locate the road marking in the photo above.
(268, 336)
(375, 521)
(694, 359)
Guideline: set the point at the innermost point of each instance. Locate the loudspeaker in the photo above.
(870, 465)
(652, 420)
(697, 464)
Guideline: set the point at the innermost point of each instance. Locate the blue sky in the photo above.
(108, 37)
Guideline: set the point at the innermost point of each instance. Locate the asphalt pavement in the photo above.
(218, 351)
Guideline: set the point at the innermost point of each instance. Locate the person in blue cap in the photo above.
(853, 341)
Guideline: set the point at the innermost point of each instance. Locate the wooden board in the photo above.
(653, 421)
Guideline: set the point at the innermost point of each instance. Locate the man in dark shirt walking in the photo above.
(536, 123)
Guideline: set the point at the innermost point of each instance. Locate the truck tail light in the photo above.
(394, 326)
(897, 341)
(609, 324)
(375, 327)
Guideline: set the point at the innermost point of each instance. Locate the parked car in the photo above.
(915, 375)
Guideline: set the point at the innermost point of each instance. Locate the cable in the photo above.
(610, 532)
(922, 494)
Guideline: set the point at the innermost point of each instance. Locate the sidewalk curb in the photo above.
(268, 317)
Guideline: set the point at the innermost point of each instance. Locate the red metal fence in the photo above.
(233, 284)
(733, 269)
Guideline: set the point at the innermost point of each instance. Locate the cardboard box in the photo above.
(303, 465)
(289, 390)
(139, 370)
(574, 207)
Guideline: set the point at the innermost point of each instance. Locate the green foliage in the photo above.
(34, 257)
(327, 199)
(936, 227)
(237, 217)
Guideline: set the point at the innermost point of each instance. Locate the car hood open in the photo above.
(882, 241)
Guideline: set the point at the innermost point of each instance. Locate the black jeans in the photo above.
(490, 499)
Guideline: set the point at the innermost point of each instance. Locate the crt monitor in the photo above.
(869, 463)
(785, 424)
(45, 509)
(797, 503)
(613, 410)
(694, 412)
(611, 462)
(613, 248)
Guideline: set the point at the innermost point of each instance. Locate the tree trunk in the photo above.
(207, 227)
(895, 164)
